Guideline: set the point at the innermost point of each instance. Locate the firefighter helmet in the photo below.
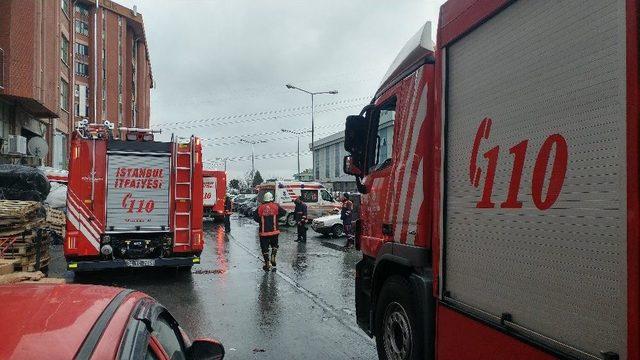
(268, 197)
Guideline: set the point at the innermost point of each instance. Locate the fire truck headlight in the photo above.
(106, 239)
(147, 137)
(106, 250)
(131, 136)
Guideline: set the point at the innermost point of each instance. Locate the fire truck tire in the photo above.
(291, 221)
(398, 329)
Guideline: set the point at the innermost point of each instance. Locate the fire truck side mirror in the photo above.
(350, 168)
(355, 134)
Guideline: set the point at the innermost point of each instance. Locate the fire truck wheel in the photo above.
(291, 221)
(398, 330)
(337, 230)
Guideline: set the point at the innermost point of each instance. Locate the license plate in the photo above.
(139, 262)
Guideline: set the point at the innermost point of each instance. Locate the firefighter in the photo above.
(300, 216)
(346, 216)
(227, 214)
(267, 215)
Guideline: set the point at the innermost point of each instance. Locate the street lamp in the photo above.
(298, 133)
(252, 142)
(312, 93)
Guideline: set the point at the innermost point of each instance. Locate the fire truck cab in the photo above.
(132, 201)
(504, 223)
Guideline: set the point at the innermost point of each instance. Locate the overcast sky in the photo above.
(220, 68)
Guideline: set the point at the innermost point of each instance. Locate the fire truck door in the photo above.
(377, 223)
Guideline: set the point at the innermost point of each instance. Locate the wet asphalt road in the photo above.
(304, 310)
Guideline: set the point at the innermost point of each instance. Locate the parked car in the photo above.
(70, 321)
(328, 225)
(249, 207)
(239, 200)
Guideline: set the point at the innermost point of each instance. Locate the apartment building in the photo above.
(62, 61)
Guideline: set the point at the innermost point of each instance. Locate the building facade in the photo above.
(304, 175)
(329, 154)
(62, 61)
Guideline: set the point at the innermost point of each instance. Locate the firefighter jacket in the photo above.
(347, 210)
(267, 216)
(300, 211)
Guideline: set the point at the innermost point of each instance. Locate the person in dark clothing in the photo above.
(346, 217)
(227, 214)
(267, 215)
(300, 215)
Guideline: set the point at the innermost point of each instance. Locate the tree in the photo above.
(245, 183)
(234, 184)
(257, 179)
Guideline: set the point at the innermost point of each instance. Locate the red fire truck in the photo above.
(132, 201)
(504, 223)
(214, 191)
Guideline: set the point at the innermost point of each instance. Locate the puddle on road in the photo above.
(334, 246)
(204, 272)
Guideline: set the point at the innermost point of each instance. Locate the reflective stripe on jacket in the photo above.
(267, 216)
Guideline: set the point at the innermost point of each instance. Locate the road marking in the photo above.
(315, 298)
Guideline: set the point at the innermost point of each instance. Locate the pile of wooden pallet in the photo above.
(56, 221)
(23, 236)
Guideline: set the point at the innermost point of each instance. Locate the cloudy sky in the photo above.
(220, 67)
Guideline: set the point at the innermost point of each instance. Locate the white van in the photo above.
(319, 201)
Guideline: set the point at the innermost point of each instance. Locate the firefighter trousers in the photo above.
(302, 231)
(227, 223)
(266, 241)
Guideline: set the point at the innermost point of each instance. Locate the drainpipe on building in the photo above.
(95, 97)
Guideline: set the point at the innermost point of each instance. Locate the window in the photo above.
(59, 150)
(309, 196)
(326, 196)
(64, 5)
(82, 27)
(337, 160)
(385, 118)
(64, 95)
(64, 49)
(82, 69)
(327, 162)
(317, 164)
(1, 69)
(82, 9)
(81, 100)
(168, 337)
(81, 49)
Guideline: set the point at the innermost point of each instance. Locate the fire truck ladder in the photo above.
(183, 155)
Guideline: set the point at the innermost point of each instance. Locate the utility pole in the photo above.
(252, 142)
(312, 93)
(298, 133)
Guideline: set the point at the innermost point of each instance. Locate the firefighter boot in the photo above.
(274, 251)
(267, 264)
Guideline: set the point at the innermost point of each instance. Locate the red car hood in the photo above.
(48, 321)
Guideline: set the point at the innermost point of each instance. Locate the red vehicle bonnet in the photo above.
(46, 321)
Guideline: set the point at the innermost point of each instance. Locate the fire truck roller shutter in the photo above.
(549, 77)
(209, 190)
(138, 192)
